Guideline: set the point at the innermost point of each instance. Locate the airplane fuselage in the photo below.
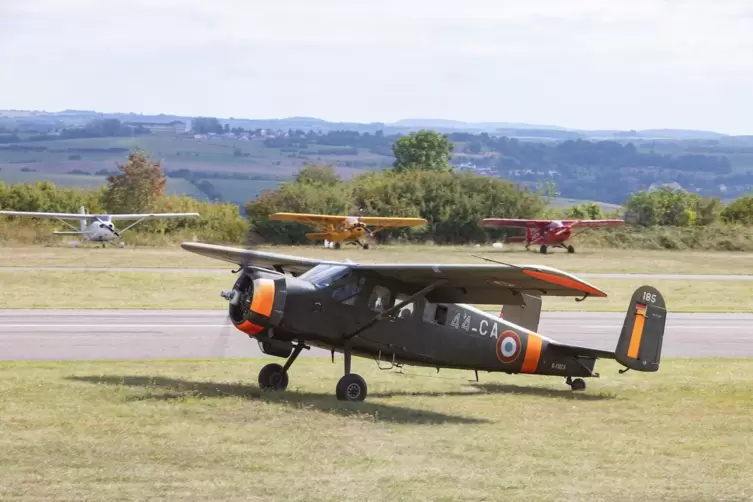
(422, 333)
(96, 233)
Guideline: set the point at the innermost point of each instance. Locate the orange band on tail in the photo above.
(637, 334)
(533, 353)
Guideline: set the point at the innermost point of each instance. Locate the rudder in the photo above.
(639, 346)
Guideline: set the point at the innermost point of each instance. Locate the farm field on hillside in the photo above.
(178, 152)
(175, 186)
(202, 430)
(241, 191)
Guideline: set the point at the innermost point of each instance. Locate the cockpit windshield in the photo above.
(322, 276)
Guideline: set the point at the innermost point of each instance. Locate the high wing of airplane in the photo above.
(335, 230)
(97, 227)
(547, 233)
(420, 314)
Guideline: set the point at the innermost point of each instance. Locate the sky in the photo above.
(587, 64)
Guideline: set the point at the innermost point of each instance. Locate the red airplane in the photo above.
(546, 233)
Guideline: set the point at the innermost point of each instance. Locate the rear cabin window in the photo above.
(379, 301)
(435, 313)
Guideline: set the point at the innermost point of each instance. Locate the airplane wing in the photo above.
(391, 222)
(512, 223)
(480, 284)
(308, 219)
(271, 261)
(593, 223)
(484, 284)
(150, 216)
(60, 216)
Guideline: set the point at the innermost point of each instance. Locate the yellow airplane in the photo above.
(350, 229)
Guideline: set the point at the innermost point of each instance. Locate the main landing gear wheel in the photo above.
(336, 245)
(542, 249)
(351, 387)
(273, 377)
(577, 384)
(570, 249)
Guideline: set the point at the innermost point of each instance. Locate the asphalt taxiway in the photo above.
(151, 334)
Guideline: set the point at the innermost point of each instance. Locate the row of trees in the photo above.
(421, 183)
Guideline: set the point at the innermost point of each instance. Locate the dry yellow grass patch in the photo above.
(585, 260)
(200, 290)
(202, 430)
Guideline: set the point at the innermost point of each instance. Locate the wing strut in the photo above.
(379, 317)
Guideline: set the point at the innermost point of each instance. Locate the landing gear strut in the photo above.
(577, 384)
(351, 387)
(275, 377)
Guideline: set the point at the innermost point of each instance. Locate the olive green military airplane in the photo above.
(412, 314)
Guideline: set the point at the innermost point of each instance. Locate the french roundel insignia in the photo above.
(508, 347)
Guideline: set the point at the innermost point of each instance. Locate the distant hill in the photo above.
(510, 129)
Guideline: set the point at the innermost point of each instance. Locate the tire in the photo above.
(542, 249)
(351, 388)
(570, 249)
(578, 384)
(272, 377)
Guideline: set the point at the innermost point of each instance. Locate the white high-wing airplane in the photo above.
(97, 227)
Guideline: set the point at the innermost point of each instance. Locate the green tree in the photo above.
(318, 174)
(669, 207)
(138, 187)
(423, 150)
(585, 211)
(739, 211)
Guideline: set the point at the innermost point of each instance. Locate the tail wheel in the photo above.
(578, 384)
(570, 249)
(366, 245)
(273, 377)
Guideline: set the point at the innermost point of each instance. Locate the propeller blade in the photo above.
(220, 345)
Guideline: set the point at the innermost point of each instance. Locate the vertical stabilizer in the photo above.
(526, 315)
(639, 346)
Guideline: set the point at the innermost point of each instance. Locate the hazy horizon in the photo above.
(650, 64)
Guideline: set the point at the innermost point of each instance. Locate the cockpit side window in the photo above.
(379, 301)
(347, 292)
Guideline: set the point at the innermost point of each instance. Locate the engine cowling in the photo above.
(257, 302)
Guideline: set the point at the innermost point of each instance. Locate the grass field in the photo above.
(586, 260)
(202, 430)
(200, 290)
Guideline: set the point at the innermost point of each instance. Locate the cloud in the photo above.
(540, 60)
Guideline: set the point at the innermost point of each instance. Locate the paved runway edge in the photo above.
(156, 334)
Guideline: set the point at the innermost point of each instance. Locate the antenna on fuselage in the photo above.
(497, 261)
